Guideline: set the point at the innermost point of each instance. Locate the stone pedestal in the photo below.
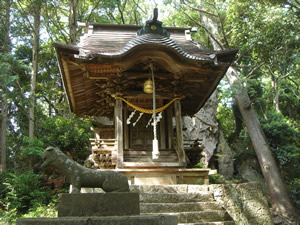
(100, 209)
(99, 204)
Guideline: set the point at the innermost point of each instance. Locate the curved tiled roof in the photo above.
(154, 39)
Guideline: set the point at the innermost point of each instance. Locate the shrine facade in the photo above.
(138, 82)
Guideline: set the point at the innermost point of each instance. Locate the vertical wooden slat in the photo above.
(179, 135)
(119, 132)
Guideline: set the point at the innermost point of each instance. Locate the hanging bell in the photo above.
(148, 86)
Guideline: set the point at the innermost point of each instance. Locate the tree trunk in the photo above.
(3, 131)
(276, 188)
(73, 21)
(4, 112)
(276, 100)
(35, 53)
(275, 84)
(6, 40)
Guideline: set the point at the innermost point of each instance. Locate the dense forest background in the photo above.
(34, 109)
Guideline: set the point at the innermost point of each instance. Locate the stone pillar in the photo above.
(119, 132)
(179, 135)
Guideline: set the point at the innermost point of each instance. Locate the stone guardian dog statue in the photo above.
(80, 176)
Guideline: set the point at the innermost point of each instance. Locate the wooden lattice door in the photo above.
(141, 136)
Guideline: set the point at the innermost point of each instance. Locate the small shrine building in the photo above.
(114, 74)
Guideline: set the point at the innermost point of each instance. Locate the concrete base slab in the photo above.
(99, 204)
(121, 220)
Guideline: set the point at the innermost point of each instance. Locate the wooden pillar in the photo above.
(119, 132)
(170, 127)
(162, 131)
(179, 135)
(126, 130)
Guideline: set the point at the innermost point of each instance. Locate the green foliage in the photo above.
(216, 179)
(199, 165)
(22, 191)
(283, 135)
(49, 210)
(69, 134)
(10, 69)
(225, 114)
(266, 34)
(32, 147)
(294, 188)
(3, 190)
(289, 100)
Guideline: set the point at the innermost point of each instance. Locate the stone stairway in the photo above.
(192, 204)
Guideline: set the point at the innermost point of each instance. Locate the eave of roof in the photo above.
(160, 48)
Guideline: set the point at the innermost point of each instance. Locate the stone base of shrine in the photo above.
(120, 220)
(167, 176)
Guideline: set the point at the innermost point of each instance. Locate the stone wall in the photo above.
(245, 203)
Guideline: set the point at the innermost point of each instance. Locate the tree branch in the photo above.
(201, 25)
(139, 7)
(271, 72)
(57, 24)
(111, 16)
(24, 16)
(254, 69)
(222, 26)
(297, 85)
(205, 2)
(135, 18)
(96, 6)
(50, 103)
(285, 76)
(201, 11)
(121, 12)
(241, 56)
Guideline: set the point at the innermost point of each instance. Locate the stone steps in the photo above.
(178, 207)
(192, 204)
(175, 197)
(196, 217)
(210, 223)
(168, 189)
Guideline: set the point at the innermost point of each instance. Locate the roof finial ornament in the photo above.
(153, 26)
(155, 14)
